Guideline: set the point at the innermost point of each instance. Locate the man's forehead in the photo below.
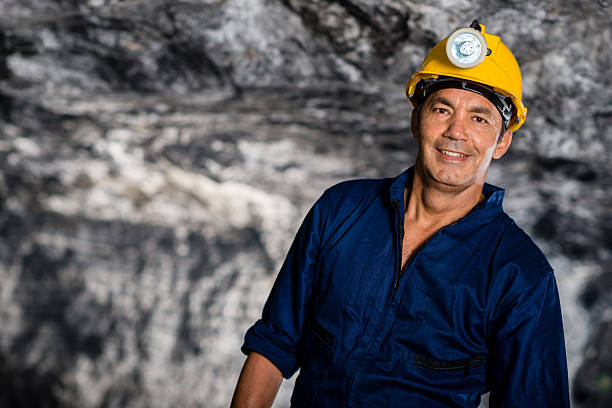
(453, 97)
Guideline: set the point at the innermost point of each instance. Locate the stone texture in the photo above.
(156, 158)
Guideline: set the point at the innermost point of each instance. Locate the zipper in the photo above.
(398, 263)
(400, 272)
(396, 279)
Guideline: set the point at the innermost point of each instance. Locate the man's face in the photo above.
(457, 133)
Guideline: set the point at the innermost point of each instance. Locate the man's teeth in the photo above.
(453, 154)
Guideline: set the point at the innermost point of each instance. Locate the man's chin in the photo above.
(452, 182)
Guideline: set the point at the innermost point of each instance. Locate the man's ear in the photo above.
(503, 145)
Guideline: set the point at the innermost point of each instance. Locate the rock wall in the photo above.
(157, 157)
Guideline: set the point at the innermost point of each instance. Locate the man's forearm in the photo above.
(258, 383)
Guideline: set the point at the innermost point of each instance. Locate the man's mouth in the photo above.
(452, 154)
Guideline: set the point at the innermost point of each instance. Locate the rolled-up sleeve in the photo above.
(276, 335)
(527, 365)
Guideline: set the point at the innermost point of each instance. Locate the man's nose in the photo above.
(457, 128)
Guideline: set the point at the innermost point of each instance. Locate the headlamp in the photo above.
(476, 61)
(466, 47)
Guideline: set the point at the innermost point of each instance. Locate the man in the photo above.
(420, 291)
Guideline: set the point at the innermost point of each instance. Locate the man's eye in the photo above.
(480, 119)
(440, 110)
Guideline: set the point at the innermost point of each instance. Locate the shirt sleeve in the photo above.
(527, 364)
(277, 333)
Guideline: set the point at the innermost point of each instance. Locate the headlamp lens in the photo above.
(466, 48)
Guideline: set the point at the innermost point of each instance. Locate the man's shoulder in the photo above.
(350, 192)
(518, 251)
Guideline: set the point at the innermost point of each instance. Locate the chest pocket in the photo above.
(457, 366)
(462, 381)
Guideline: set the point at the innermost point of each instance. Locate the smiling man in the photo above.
(420, 291)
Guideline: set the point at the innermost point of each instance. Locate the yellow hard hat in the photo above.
(468, 59)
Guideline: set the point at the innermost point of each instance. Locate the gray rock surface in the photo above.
(156, 158)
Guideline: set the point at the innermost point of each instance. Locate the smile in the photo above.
(453, 154)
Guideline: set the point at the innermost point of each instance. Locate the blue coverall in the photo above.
(476, 309)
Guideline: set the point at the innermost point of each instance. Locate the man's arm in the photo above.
(527, 363)
(272, 342)
(258, 383)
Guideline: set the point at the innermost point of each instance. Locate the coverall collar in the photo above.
(491, 205)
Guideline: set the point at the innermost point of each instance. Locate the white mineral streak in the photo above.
(173, 197)
(10, 312)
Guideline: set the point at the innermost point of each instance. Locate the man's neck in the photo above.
(433, 206)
